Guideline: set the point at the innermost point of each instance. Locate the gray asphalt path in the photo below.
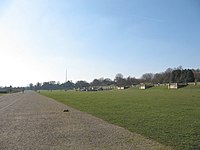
(31, 121)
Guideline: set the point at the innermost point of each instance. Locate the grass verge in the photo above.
(171, 117)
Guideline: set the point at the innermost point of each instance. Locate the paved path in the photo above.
(31, 121)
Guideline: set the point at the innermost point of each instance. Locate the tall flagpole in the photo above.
(66, 76)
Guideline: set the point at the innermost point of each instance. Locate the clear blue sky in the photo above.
(39, 39)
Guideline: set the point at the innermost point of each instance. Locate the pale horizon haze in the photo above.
(40, 39)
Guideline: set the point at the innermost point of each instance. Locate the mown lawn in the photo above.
(171, 117)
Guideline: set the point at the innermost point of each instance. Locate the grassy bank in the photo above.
(171, 117)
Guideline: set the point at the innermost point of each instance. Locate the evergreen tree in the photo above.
(176, 76)
(184, 76)
(190, 76)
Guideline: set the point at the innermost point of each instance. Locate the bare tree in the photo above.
(119, 80)
(158, 78)
(119, 76)
(148, 77)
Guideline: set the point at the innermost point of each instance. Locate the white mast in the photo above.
(66, 76)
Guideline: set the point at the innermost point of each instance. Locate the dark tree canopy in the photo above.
(190, 76)
(176, 76)
(81, 84)
(182, 76)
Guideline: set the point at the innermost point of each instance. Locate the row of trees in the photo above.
(182, 76)
(178, 74)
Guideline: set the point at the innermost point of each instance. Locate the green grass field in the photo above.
(171, 117)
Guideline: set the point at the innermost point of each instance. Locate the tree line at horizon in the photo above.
(176, 75)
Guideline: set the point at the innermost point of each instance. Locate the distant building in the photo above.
(4, 90)
(142, 86)
(120, 88)
(173, 86)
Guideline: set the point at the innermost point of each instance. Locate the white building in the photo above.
(142, 86)
(173, 86)
(120, 88)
